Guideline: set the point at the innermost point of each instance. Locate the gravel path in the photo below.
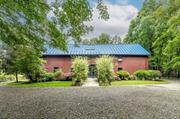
(125, 102)
(91, 82)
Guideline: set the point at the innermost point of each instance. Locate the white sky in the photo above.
(118, 24)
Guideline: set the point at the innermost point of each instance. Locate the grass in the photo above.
(25, 84)
(137, 82)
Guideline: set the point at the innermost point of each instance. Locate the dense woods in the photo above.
(157, 28)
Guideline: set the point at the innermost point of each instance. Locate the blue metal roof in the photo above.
(105, 49)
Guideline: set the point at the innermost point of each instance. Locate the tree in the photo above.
(157, 29)
(104, 38)
(26, 22)
(27, 26)
(116, 40)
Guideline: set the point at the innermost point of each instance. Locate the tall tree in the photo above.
(157, 29)
(29, 25)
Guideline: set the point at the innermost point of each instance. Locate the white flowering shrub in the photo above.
(79, 70)
(105, 70)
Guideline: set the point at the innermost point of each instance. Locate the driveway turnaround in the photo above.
(124, 102)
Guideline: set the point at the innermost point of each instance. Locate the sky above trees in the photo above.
(121, 13)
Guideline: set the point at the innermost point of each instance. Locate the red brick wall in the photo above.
(130, 64)
(61, 62)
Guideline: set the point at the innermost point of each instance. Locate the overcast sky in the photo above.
(121, 13)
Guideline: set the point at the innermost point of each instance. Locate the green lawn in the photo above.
(41, 84)
(137, 82)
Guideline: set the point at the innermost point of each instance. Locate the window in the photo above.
(56, 68)
(120, 68)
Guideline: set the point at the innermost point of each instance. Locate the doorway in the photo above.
(92, 71)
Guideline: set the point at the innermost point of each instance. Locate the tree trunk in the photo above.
(17, 77)
(30, 77)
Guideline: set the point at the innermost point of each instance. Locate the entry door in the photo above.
(92, 71)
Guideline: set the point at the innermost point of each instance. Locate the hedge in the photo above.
(147, 74)
(123, 75)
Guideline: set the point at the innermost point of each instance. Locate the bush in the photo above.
(57, 74)
(132, 77)
(105, 70)
(123, 75)
(154, 74)
(148, 74)
(79, 70)
(142, 74)
(6, 77)
(50, 76)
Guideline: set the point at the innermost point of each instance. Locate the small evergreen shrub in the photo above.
(148, 74)
(50, 76)
(142, 74)
(47, 77)
(123, 75)
(105, 70)
(154, 74)
(79, 70)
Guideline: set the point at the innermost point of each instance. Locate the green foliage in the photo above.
(157, 28)
(147, 74)
(51, 76)
(6, 77)
(47, 77)
(26, 26)
(26, 22)
(105, 70)
(29, 63)
(79, 70)
(123, 75)
(103, 39)
(57, 74)
(154, 74)
(142, 74)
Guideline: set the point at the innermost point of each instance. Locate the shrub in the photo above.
(132, 77)
(79, 70)
(142, 74)
(57, 74)
(50, 76)
(148, 74)
(6, 77)
(2, 77)
(154, 74)
(123, 75)
(104, 70)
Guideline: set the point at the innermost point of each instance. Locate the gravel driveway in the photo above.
(125, 102)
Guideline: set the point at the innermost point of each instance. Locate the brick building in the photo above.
(129, 57)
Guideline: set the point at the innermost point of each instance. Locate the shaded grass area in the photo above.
(138, 82)
(25, 84)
